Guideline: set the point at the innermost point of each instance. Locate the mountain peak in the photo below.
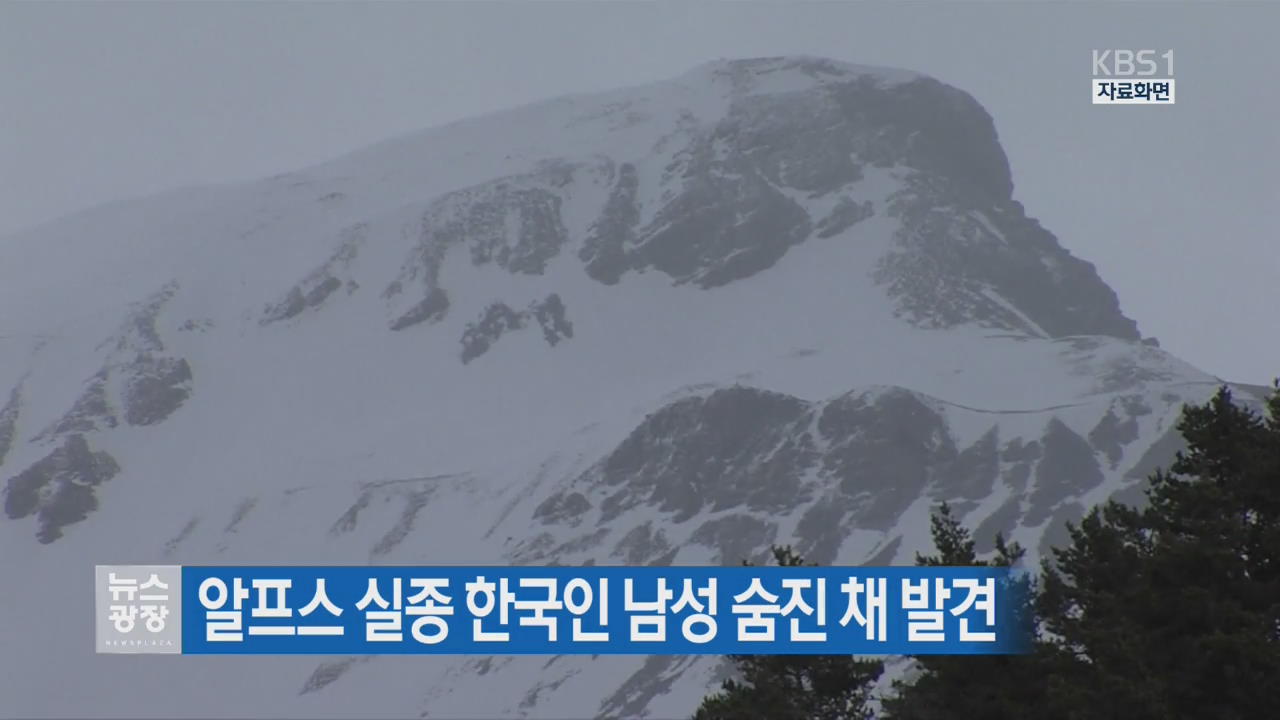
(800, 71)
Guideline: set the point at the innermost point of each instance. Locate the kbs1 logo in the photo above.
(1132, 77)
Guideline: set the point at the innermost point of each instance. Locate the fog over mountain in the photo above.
(771, 300)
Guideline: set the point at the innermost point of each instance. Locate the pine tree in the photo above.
(992, 687)
(794, 687)
(1173, 611)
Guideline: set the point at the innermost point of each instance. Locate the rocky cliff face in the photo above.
(777, 300)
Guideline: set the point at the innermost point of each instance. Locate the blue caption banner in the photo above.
(600, 610)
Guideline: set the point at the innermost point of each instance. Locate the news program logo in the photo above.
(138, 608)
(1132, 77)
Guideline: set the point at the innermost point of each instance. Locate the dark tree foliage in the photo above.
(1173, 610)
(992, 687)
(794, 687)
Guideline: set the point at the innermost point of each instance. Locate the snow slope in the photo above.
(775, 300)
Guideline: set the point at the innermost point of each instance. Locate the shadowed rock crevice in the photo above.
(1056, 533)
(91, 410)
(550, 314)
(932, 127)
(1001, 522)
(991, 265)
(320, 283)
(654, 678)
(140, 382)
(741, 462)
(642, 545)
(1067, 468)
(1160, 454)
(823, 528)
(174, 542)
(727, 223)
(514, 223)
(157, 387)
(414, 502)
(604, 251)
(843, 216)
(59, 489)
(563, 509)
(885, 448)
(243, 508)
(327, 673)
(725, 450)
(9, 421)
(1111, 435)
(974, 473)
(499, 319)
(736, 537)
(430, 309)
(886, 554)
(518, 230)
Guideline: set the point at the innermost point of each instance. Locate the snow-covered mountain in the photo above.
(775, 300)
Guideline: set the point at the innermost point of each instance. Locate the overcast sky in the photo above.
(1176, 206)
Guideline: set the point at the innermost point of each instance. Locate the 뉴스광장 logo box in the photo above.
(1132, 77)
(138, 608)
